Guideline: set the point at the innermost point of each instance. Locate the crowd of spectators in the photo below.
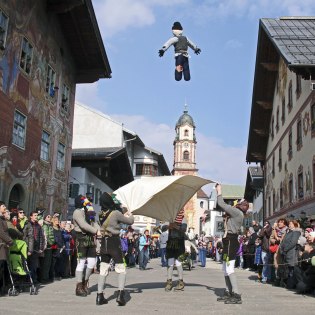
(282, 254)
(51, 249)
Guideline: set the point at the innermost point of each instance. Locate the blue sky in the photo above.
(143, 94)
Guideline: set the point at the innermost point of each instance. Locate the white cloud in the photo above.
(233, 44)
(248, 8)
(89, 94)
(116, 16)
(214, 160)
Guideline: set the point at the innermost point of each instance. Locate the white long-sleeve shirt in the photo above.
(163, 239)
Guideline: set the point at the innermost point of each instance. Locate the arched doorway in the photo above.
(16, 197)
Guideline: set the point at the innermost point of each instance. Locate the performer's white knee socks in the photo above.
(169, 272)
(121, 280)
(79, 275)
(88, 272)
(180, 272)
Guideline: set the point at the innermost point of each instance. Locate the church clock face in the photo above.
(186, 144)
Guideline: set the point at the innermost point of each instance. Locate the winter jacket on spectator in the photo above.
(5, 239)
(59, 242)
(67, 237)
(264, 234)
(240, 250)
(251, 243)
(288, 247)
(21, 224)
(34, 237)
(124, 244)
(49, 233)
(14, 233)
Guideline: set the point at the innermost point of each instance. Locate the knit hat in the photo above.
(180, 216)
(177, 26)
(308, 230)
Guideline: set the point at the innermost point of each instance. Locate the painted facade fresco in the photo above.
(290, 170)
(37, 82)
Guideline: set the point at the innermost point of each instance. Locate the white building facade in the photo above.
(108, 156)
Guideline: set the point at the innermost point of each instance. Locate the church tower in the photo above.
(185, 160)
(185, 146)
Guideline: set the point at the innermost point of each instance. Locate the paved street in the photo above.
(145, 294)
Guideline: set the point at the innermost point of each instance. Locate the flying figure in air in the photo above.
(181, 44)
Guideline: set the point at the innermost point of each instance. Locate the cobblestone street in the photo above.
(145, 294)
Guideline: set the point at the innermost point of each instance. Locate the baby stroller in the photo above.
(185, 259)
(19, 273)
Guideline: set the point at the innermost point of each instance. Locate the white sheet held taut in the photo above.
(159, 197)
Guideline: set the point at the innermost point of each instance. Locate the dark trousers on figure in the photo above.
(47, 266)
(183, 61)
(3, 272)
(33, 262)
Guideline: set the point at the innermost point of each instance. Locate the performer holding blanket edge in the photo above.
(111, 216)
(86, 229)
(175, 247)
(232, 223)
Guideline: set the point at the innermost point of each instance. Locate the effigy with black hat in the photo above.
(181, 44)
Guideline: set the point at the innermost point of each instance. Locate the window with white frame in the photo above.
(19, 129)
(4, 22)
(65, 98)
(61, 157)
(26, 56)
(45, 145)
(50, 81)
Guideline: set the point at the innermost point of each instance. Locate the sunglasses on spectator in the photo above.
(21, 211)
